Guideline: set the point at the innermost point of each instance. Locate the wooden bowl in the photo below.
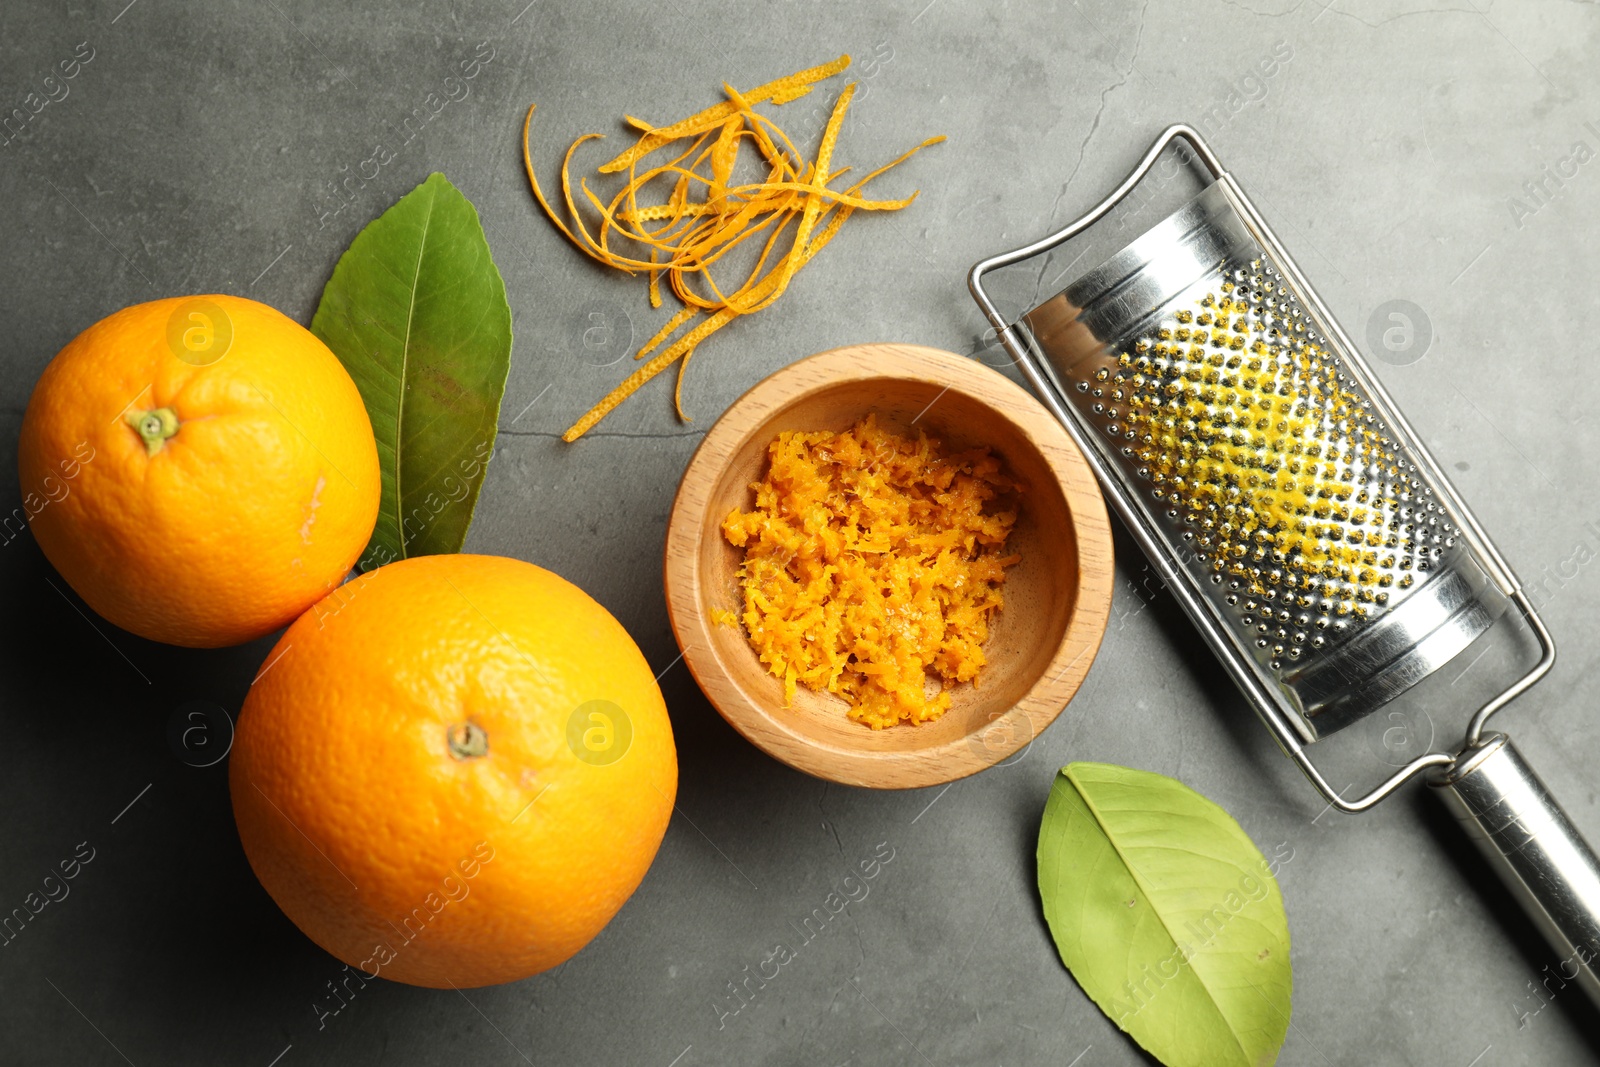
(1057, 598)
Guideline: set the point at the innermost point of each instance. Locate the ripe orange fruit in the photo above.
(200, 469)
(453, 771)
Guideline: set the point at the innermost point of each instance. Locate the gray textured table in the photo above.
(1425, 155)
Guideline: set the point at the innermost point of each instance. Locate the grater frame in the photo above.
(1219, 636)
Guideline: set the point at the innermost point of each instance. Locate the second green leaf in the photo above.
(1167, 915)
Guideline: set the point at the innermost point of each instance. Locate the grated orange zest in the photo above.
(873, 563)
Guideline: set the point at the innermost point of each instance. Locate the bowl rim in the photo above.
(1017, 727)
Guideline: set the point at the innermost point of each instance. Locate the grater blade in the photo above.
(1229, 420)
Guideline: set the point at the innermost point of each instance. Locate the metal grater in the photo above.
(1292, 511)
(1231, 423)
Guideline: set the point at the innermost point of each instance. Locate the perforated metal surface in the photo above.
(1230, 420)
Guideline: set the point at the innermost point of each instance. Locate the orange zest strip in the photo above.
(636, 182)
(940, 139)
(722, 153)
(662, 334)
(677, 388)
(791, 88)
(632, 383)
(747, 116)
(794, 212)
(830, 136)
(538, 194)
(840, 197)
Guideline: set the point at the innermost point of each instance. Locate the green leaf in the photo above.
(1167, 915)
(417, 313)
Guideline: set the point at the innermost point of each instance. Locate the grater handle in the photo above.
(1534, 848)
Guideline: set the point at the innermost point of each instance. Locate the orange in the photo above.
(453, 771)
(200, 469)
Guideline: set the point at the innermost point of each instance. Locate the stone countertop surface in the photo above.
(1432, 163)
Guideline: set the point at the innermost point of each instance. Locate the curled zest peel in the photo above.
(793, 213)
